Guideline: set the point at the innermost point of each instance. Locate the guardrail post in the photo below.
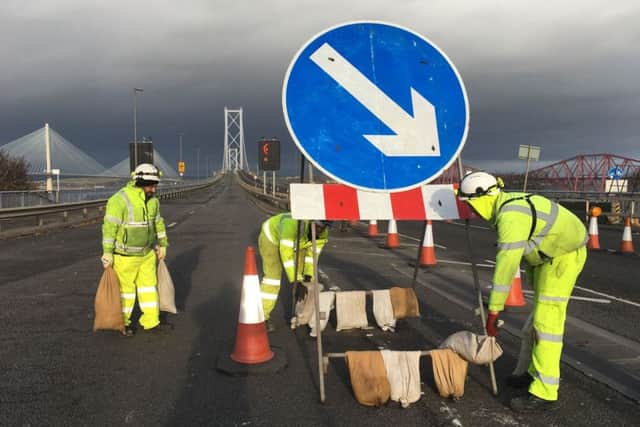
(65, 216)
(85, 212)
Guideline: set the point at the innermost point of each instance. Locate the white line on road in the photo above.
(419, 240)
(464, 263)
(479, 227)
(598, 300)
(602, 294)
(171, 225)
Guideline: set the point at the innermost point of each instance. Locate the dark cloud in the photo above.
(535, 73)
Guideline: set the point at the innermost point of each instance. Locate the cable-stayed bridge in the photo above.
(64, 155)
(121, 169)
(68, 158)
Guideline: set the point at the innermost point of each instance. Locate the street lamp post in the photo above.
(198, 163)
(135, 125)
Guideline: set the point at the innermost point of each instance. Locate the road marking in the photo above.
(419, 240)
(597, 300)
(464, 263)
(602, 294)
(479, 227)
(171, 225)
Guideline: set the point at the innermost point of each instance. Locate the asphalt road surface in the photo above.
(55, 371)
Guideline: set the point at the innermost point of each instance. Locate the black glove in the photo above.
(307, 278)
(301, 291)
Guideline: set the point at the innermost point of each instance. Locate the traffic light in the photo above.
(269, 154)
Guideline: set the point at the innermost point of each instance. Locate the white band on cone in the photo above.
(251, 310)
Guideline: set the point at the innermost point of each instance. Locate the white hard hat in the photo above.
(146, 172)
(477, 184)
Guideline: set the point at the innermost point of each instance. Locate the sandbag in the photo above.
(305, 308)
(404, 302)
(368, 377)
(383, 310)
(449, 372)
(107, 304)
(327, 299)
(478, 349)
(403, 374)
(166, 290)
(351, 310)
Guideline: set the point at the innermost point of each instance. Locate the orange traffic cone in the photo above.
(252, 342)
(594, 241)
(626, 246)
(373, 228)
(428, 253)
(515, 298)
(393, 241)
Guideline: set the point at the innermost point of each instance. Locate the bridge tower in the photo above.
(235, 154)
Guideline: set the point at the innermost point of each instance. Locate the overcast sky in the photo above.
(562, 75)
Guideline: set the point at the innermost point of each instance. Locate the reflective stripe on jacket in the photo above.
(281, 230)
(132, 226)
(557, 231)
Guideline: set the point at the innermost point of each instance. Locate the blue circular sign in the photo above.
(375, 106)
(615, 173)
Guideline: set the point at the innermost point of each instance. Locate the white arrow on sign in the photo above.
(415, 136)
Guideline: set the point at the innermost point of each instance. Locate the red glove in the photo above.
(492, 320)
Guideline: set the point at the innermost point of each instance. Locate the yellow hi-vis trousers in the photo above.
(272, 273)
(138, 274)
(553, 283)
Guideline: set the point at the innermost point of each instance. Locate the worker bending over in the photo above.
(276, 244)
(552, 242)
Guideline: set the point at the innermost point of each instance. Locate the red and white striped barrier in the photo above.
(341, 202)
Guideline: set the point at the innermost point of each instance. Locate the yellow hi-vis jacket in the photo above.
(282, 231)
(132, 226)
(532, 227)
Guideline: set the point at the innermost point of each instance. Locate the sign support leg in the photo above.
(417, 266)
(316, 291)
(476, 283)
(295, 249)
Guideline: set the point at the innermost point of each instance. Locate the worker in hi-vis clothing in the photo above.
(133, 235)
(552, 241)
(276, 243)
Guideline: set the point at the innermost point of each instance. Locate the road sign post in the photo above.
(528, 153)
(376, 107)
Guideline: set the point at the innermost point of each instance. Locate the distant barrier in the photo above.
(19, 221)
(254, 186)
(26, 199)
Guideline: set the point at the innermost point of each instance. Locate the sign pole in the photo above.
(417, 266)
(316, 291)
(273, 182)
(476, 283)
(295, 248)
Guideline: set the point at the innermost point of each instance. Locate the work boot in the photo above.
(531, 403)
(128, 331)
(270, 326)
(519, 381)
